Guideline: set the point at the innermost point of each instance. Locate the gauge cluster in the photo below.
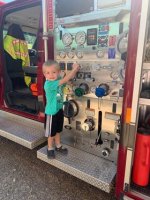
(100, 41)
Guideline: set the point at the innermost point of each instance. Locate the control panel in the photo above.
(93, 98)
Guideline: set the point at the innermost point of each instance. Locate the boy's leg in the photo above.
(50, 150)
(57, 139)
(49, 134)
(59, 147)
(50, 142)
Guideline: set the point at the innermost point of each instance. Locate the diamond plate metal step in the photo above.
(28, 133)
(87, 167)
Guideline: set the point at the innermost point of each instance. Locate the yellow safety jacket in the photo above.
(18, 49)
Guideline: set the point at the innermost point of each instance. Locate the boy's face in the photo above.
(51, 73)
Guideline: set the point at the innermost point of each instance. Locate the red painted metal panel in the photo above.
(133, 196)
(7, 8)
(50, 15)
(128, 87)
(120, 175)
(120, 170)
(131, 56)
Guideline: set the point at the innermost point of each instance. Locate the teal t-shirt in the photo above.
(54, 96)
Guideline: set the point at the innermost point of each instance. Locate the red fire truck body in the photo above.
(109, 97)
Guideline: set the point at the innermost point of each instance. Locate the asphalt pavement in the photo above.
(24, 177)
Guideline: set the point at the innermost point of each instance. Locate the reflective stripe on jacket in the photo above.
(17, 49)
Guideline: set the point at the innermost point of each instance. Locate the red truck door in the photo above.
(16, 94)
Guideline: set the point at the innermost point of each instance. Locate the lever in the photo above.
(99, 139)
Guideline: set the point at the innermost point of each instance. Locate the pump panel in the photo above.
(93, 99)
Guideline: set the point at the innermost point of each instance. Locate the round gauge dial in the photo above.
(67, 39)
(79, 54)
(62, 54)
(122, 42)
(100, 53)
(71, 54)
(114, 75)
(80, 38)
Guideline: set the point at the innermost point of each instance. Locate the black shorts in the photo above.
(54, 123)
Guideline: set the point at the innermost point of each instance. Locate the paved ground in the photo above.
(24, 177)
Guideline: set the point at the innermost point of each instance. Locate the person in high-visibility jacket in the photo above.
(16, 46)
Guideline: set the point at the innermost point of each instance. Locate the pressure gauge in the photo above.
(79, 54)
(62, 54)
(114, 75)
(100, 53)
(122, 42)
(67, 39)
(80, 38)
(71, 54)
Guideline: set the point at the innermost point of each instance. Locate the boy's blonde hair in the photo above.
(49, 63)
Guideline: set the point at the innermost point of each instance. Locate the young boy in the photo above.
(54, 103)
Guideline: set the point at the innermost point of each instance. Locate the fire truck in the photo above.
(107, 103)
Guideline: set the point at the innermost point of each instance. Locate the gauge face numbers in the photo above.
(114, 75)
(62, 54)
(79, 54)
(67, 39)
(100, 53)
(71, 54)
(80, 38)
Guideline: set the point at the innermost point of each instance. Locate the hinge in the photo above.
(127, 136)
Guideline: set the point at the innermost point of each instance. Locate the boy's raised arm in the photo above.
(75, 68)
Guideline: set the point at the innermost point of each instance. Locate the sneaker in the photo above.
(50, 154)
(62, 150)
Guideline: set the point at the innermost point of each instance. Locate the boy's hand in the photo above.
(69, 76)
(75, 67)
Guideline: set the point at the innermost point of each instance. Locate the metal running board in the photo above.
(87, 167)
(27, 132)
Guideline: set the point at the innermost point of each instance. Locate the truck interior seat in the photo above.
(17, 94)
(15, 72)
